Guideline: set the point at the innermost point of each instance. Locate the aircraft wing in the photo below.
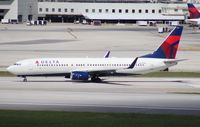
(100, 72)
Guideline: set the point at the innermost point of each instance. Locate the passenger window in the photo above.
(86, 10)
(113, 10)
(93, 10)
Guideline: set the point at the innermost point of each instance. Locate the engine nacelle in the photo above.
(79, 75)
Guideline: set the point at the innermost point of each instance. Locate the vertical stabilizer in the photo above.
(170, 45)
(194, 13)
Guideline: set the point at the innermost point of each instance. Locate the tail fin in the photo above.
(169, 47)
(194, 13)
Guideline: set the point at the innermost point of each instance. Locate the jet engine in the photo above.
(79, 75)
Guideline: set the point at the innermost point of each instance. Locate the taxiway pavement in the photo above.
(115, 94)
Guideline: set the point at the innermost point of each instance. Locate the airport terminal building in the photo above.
(103, 10)
(20, 10)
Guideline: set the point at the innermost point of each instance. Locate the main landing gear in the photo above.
(24, 78)
(95, 78)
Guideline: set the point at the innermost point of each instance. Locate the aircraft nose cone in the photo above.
(10, 69)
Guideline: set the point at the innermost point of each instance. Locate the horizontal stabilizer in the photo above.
(173, 61)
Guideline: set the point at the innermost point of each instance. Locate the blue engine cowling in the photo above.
(79, 75)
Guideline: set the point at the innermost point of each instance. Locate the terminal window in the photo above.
(47, 9)
(146, 11)
(40, 9)
(59, 9)
(140, 11)
(126, 10)
(65, 9)
(120, 10)
(107, 11)
(53, 9)
(153, 11)
(100, 10)
(72, 10)
(133, 10)
(159, 11)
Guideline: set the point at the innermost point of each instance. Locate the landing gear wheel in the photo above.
(167, 69)
(25, 79)
(96, 79)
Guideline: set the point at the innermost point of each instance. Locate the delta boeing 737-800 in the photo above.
(85, 69)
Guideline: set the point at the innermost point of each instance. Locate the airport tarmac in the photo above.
(114, 94)
(19, 42)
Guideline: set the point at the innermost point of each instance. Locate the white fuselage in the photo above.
(194, 21)
(62, 66)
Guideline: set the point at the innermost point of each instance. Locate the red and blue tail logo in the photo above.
(194, 13)
(169, 47)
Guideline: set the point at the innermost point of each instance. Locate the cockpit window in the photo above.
(17, 64)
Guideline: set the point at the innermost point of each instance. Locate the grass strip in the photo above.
(6, 74)
(9, 118)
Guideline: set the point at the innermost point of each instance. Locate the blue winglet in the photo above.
(107, 54)
(133, 63)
